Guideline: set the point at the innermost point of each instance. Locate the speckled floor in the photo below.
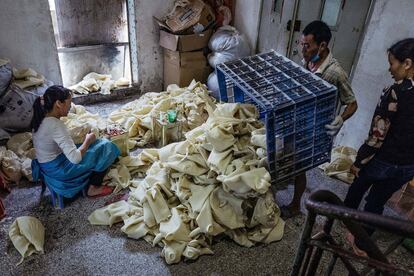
(74, 247)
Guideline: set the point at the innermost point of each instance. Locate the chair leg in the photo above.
(52, 194)
(43, 187)
(57, 200)
(60, 199)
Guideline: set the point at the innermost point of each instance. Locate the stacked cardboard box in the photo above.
(184, 59)
(183, 43)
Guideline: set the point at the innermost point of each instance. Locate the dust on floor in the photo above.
(74, 247)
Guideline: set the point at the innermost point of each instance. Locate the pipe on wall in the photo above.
(258, 27)
(292, 28)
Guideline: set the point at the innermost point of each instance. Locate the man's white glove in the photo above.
(335, 126)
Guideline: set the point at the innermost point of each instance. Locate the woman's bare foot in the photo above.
(351, 239)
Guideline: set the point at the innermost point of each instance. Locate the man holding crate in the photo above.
(318, 59)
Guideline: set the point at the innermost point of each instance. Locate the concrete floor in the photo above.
(74, 247)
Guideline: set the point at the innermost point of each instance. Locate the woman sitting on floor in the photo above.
(65, 168)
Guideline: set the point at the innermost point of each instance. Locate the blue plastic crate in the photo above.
(235, 64)
(252, 60)
(300, 95)
(281, 99)
(324, 116)
(285, 121)
(296, 73)
(243, 70)
(250, 76)
(286, 66)
(294, 104)
(272, 57)
(259, 83)
(248, 95)
(276, 77)
(303, 159)
(304, 165)
(260, 65)
(304, 154)
(304, 78)
(285, 161)
(226, 84)
(304, 144)
(303, 135)
(286, 85)
(326, 102)
(321, 88)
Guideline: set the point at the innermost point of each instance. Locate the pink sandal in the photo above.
(106, 190)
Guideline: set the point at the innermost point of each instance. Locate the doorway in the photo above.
(346, 19)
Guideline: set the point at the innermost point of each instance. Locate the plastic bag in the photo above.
(229, 42)
(213, 86)
(4, 135)
(6, 75)
(16, 103)
(16, 109)
(220, 57)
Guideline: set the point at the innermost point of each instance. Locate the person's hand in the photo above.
(335, 126)
(90, 138)
(355, 170)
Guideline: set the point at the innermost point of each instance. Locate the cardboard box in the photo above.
(182, 67)
(185, 43)
(185, 15)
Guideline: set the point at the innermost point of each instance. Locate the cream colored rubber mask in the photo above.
(135, 227)
(259, 138)
(27, 77)
(120, 177)
(110, 214)
(27, 235)
(342, 159)
(94, 82)
(191, 103)
(10, 165)
(257, 180)
(201, 187)
(173, 251)
(21, 144)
